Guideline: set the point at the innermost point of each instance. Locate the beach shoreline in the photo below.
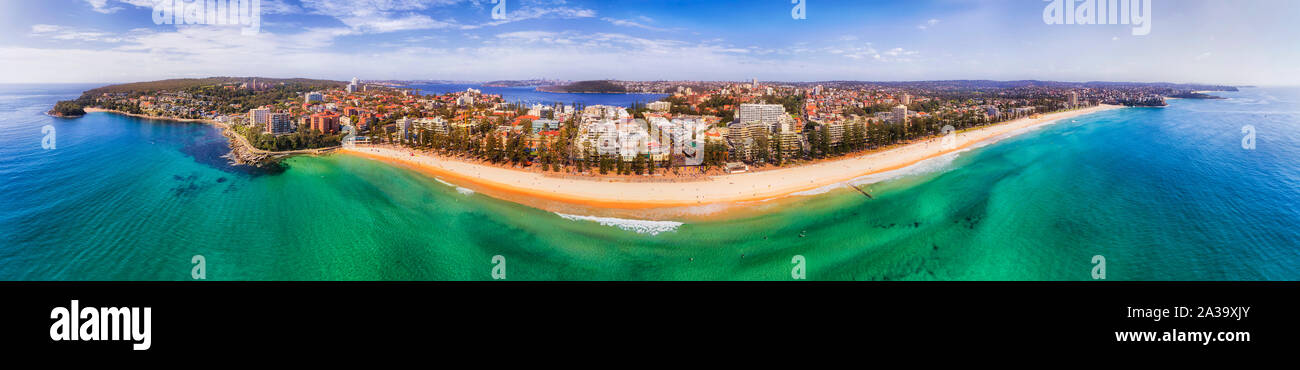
(549, 192)
(159, 118)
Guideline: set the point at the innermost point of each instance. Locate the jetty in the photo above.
(864, 192)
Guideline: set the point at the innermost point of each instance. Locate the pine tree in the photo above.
(777, 153)
(638, 165)
(824, 141)
(814, 144)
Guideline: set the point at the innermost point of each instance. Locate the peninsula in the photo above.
(587, 87)
(706, 143)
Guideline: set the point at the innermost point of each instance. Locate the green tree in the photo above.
(638, 165)
(824, 140)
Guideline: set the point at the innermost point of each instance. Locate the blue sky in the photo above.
(1236, 42)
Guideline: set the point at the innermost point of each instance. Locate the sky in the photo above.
(1199, 41)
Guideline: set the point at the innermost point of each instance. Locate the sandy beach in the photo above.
(722, 189)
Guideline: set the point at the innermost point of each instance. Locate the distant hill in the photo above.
(598, 87)
(185, 83)
(278, 89)
(1194, 95)
(523, 83)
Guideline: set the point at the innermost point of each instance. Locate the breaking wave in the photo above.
(458, 188)
(637, 226)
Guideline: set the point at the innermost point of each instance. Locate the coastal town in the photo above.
(697, 129)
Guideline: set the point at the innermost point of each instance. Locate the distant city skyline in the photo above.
(1193, 41)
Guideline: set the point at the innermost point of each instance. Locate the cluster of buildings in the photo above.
(613, 131)
(757, 125)
(325, 118)
(761, 125)
(357, 105)
(749, 117)
(279, 123)
(274, 122)
(175, 104)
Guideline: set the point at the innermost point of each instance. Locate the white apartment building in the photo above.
(769, 114)
(260, 116)
(404, 126)
(900, 113)
(632, 142)
(660, 106)
(602, 137)
(435, 125)
(465, 99)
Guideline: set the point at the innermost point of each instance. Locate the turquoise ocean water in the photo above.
(1161, 193)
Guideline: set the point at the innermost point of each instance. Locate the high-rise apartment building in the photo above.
(900, 114)
(769, 114)
(278, 123)
(314, 97)
(327, 122)
(258, 117)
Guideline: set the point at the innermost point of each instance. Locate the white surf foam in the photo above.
(458, 188)
(637, 226)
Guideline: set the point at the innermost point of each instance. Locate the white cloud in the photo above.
(529, 36)
(528, 12)
(631, 23)
(61, 33)
(397, 23)
(277, 7)
(868, 52)
(45, 28)
(268, 6)
(195, 51)
(381, 16)
(929, 23)
(102, 6)
(551, 49)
